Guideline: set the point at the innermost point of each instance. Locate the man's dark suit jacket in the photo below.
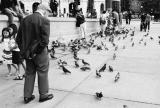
(33, 27)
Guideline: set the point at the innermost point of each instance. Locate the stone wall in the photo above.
(61, 28)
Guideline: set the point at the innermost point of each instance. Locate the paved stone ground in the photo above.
(138, 86)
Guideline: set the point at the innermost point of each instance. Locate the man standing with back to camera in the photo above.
(33, 39)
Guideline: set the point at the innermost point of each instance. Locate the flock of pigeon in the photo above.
(106, 43)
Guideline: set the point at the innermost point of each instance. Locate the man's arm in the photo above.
(45, 33)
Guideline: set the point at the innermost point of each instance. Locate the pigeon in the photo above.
(141, 39)
(98, 74)
(146, 34)
(114, 56)
(1, 62)
(52, 56)
(125, 106)
(117, 77)
(84, 68)
(102, 68)
(124, 47)
(110, 68)
(89, 51)
(84, 62)
(99, 47)
(132, 33)
(99, 95)
(151, 38)
(76, 64)
(63, 62)
(113, 44)
(116, 48)
(119, 38)
(132, 44)
(145, 44)
(65, 70)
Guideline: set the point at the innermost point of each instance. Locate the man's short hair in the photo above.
(43, 7)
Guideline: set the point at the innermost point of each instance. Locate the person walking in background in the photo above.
(80, 22)
(120, 19)
(35, 6)
(148, 20)
(126, 17)
(102, 22)
(54, 5)
(33, 39)
(143, 22)
(115, 16)
(11, 8)
(129, 17)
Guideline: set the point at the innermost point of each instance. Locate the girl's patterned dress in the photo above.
(6, 53)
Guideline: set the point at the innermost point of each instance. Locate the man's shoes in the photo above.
(27, 100)
(47, 97)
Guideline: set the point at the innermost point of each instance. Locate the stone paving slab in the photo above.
(89, 101)
(13, 98)
(131, 86)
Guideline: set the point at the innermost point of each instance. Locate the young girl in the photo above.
(16, 57)
(7, 53)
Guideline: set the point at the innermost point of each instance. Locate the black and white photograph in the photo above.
(79, 53)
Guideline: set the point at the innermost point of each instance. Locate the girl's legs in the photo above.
(15, 68)
(9, 69)
(24, 67)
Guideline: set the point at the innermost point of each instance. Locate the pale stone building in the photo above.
(98, 5)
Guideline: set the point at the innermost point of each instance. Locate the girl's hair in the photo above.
(5, 29)
(15, 29)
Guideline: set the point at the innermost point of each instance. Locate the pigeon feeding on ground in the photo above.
(125, 106)
(65, 70)
(103, 68)
(62, 62)
(114, 56)
(124, 47)
(145, 44)
(151, 38)
(110, 68)
(98, 74)
(89, 51)
(76, 64)
(116, 48)
(84, 62)
(84, 68)
(52, 56)
(132, 44)
(117, 77)
(146, 34)
(99, 95)
(119, 38)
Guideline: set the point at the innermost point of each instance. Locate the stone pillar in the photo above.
(116, 5)
(108, 4)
